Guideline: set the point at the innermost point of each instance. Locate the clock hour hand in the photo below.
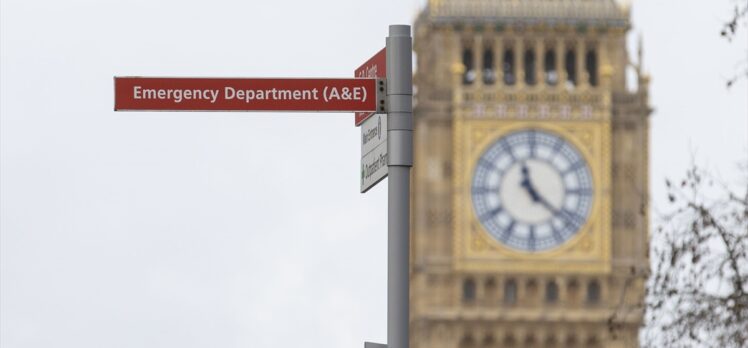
(527, 185)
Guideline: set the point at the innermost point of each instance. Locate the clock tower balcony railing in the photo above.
(539, 101)
(533, 104)
(571, 12)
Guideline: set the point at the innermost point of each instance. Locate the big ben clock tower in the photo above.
(530, 181)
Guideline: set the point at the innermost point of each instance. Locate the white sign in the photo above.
(373, 151)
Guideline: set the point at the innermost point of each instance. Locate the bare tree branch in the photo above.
(697, 294)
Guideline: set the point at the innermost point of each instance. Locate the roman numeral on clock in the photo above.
(507, 232)
(571, 218)
(482, 190)
(489, 215)
(579, 191)
(531, 239)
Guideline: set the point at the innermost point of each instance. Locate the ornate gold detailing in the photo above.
(566, 12)
(588, 251)
(541, 105)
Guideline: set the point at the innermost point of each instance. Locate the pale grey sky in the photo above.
(243, 230)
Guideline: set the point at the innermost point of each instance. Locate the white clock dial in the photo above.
(532, 190)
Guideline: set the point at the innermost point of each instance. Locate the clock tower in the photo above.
(529, 216)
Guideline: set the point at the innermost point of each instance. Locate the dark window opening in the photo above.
(571, 68)
(508, 68)
(593, 292)
(573, 289)
(532, 286)
(490, 289)
(468, 290)
(590, 63)
(530, 77)
(467, 342)
(592, 342)
(468, 76)
(510, 291)
(489, 72)
(551, 292)
(551, 75)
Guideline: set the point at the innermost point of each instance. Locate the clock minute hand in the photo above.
(536, 197)
(548, 206)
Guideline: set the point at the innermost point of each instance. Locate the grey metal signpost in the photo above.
(150, 94)
(400, 160)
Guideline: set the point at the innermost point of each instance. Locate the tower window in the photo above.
(593, 292)
(532, 287)
(508, 68)
(551, 292)
(530, 77)
(468, 290)
(467, 342)
(549, 62)
(592, 342)
(468, 77)
(510, 291)
(572, 289)
(570, 63)
(490, 289)
(590, 64)
(529, 340)
(489, 73)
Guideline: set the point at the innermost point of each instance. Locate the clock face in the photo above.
(532, 190)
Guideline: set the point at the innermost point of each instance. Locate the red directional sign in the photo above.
(375, 67)
(250, 94)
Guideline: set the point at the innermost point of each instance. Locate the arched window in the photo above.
(592, 342)
(529, 340)
(530, 77)
(510, 291)
(488, 342)
(532, 287)
(489, 72)
(468, 290)
(467, 342)
(509, 68)
(551, 292)
(549, 65)
(593, 292)
(489, 289)
(590, 64)
(468, 77)
(570, 62)
(572, 289)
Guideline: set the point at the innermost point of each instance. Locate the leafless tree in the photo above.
(697, 294)
(730, 30)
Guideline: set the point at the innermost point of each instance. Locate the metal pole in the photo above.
(399, 161)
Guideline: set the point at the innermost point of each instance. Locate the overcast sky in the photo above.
(234, 229)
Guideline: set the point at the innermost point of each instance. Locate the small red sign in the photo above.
(244, 94)
(375, 67)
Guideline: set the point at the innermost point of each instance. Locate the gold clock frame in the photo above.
(588, 251)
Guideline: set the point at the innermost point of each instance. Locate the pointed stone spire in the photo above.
(640, 54)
